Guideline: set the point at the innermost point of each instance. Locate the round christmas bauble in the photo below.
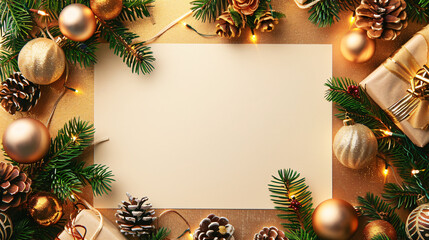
(357, 47)
(335, 219)
(42, 61)
(377, 227)
(6, 227)
(45, 209)
(77, 22)
(355, 146)
(106, 9)
(26, 140)
(417, 226)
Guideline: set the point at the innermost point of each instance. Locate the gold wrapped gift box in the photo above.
(396, 79)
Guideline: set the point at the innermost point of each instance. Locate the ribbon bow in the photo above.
(414, 106)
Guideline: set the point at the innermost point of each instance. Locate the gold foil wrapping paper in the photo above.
(386, 88)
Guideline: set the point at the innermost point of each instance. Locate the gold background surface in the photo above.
(294, 29)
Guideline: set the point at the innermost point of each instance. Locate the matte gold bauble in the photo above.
(106, 9)
(357, 47)
(355, 146)
(26, 140)
(378, 227)
(77, 22)
(42, 61)
(335, 219)
(45, 209)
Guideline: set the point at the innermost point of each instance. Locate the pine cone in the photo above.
(214, 228)
(382, 18)
(266, 22)
(135, 218)
(18, 94)
(226, 26)
(271, 233)
(246, 7)
(15, 186)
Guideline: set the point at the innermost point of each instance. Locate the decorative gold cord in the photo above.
(178, 214)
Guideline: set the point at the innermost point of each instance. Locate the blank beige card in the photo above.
(211, 125)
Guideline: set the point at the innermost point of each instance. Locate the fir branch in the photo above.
(134, 9)
(137, 56)
(54, 7)
(376, 209)
(161, 234)
(381, 236)
(15, 18)
(208, 10)
(300, 234)
(404, 195)
(25, 228)
(8, 63)
(325, 13)
(98, 176)
(283, 187)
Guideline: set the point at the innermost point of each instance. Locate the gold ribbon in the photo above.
(414, 106)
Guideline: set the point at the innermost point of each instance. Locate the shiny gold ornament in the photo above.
(335, 219)
(6, 228)
(355, 146)
(26, 140)
(357, 47)
(45, 209)
(106, 9)
(77, 22)
(417, 226)
(42, 61)
(377, 227)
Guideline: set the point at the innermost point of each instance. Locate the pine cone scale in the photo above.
(15, 184)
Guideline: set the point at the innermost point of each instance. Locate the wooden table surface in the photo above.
(294, 29)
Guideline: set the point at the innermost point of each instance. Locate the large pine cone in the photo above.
(246, 7)
(226, 27)
(382, 18)
(214, 228)
(15, 186)
(18, 94)
(271, 233)
(266, 22)
(135, 218)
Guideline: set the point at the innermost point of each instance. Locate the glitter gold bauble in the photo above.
(41, 61)
(6, 227)
(417, 226)
(77, 22)
(355, 146)
(357, 47)
(335, 219)
(45, 209)
(106, 9)
(26, 140)
(378, 227)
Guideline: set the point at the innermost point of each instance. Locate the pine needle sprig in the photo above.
(325, 13)
(208, 10)
(134, 9)
(283, 187)
(137, 56)
(161, 234)
(300, 234)
(25, 228)
(376, 209)
(404, 195)
(15, 18)
(8, 63)
(381, 236)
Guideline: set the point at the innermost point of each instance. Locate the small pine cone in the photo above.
(271, 233)
(266, 22)
(136, 218)
(226, 27)
(18, 94)
(214, 228)
(15, 186)
(383, 19)
(246, 7)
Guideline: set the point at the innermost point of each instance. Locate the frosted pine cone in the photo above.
(271, 233)
(214, 228)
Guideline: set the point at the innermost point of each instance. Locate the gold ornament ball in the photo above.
(45, 209)
(335, 219)
(42, 61)
(357, 47)
(355, 145)
(377, 227)
(6, 227)
(26, 140)
(77, 22)
(417, 225)
(106, 9)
